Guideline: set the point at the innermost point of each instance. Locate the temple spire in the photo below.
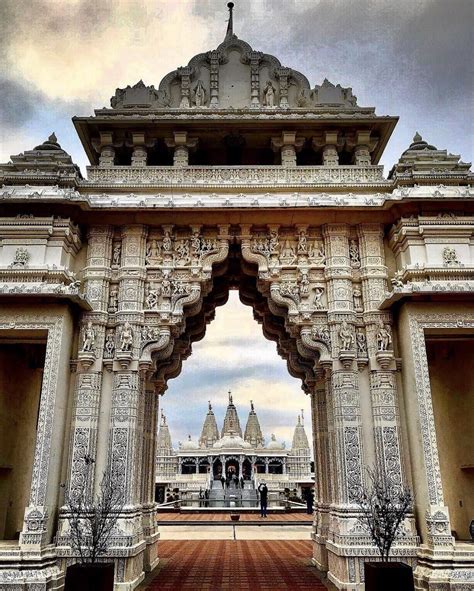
(210, 432)
(253, 432)
(230, 22)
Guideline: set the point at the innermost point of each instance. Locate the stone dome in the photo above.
(274, 443)
(231, 441)
(189, 444)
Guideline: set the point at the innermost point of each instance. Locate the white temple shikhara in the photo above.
(236, 173)
(199, 466)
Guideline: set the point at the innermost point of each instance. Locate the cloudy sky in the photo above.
(234, 355)
(60, 58)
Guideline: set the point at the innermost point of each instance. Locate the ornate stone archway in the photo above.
(273, 188)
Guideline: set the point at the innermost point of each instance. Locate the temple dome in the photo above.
(274, 443)
(419, 144)
(232, 441)
(189, 444)
(50, 144)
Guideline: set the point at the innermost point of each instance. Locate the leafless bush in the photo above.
(384, 505)
(93, 517)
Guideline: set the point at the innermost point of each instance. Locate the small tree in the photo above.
(384, 505)
(92, 517)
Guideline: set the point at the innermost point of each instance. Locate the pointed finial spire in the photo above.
(299, 419)
(251, 406)
(230, 397)
(53, 138)
(230, 22)
(210, 406)
(417, 137)
(302, 416)
(189, 437)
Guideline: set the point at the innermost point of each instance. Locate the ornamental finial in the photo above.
(251, 406)
(302, 416)
(230, 22)
(230, 397)
(210, 406)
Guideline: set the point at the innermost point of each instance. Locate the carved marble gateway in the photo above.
(234, 172)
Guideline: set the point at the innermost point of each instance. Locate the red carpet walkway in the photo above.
(235, 566)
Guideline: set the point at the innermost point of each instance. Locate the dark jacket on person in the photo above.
(263, 490)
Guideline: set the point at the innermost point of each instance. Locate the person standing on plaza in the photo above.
(263, 492)
(309, 502)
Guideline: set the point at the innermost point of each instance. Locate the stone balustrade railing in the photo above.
(236, 176)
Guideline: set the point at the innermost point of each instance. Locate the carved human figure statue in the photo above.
(269, 94)
(318, 294)
(126, 337)
(361, 342)
(354, 253)
(116, 254)
(167, 242)
(109, 344)
(384, 338)
(88, 341)
(152, 299)
(347, 339)
(302, 242)
(199, 94)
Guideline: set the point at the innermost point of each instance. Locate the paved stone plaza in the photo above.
(234, 566)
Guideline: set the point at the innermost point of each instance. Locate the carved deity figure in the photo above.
(361, 342)
(117, 251)
(274, 244)
(450, 257)
(354, 255)
(153, 252)
(288, 252)
(347, 339)
(88, 341)
(126, 337)
(269, 94)
(113, 301)
(357, 296)
(321, 333)
(109, 347)
(304, 284)
(182, 253)
(151, 299)
(397, 280)
(316, 253)
(302, 242)
(167, 242)
(318, 294)
(384, 338)
(199, 94)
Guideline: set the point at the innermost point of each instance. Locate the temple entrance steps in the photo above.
(232, 495)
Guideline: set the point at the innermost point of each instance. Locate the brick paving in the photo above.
(211, 565)
(225, 517)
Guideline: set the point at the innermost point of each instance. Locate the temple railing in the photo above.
(235, 176)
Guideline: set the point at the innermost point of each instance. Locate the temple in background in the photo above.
(230, 463)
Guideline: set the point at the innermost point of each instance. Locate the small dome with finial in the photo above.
(419, 144)
(50, 144)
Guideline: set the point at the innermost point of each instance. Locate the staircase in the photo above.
(232, 497)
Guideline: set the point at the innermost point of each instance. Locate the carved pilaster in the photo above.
(287, 144)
